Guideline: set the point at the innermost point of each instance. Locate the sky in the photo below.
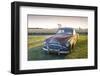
(50, 22)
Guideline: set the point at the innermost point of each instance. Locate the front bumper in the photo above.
(58, 50)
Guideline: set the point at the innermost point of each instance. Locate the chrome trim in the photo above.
(51, 50)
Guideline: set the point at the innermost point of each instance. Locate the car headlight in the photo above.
(44, 42)
(67, 44)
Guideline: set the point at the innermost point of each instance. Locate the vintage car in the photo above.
(62, 41)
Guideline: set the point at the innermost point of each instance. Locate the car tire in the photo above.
(72, 46)
(70, 49)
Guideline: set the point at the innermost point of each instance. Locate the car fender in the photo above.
(73, 40)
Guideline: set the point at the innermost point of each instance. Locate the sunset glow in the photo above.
(49, 22)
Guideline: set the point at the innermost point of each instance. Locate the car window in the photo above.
(74, 32)
(65, 31)
(60, 31)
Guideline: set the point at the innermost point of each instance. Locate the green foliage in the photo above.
(34, 41)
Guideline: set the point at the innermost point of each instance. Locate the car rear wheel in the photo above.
(70, 48)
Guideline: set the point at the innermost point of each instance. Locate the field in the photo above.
(35, 52)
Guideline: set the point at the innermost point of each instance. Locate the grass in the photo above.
(35, 52)
(34, 41)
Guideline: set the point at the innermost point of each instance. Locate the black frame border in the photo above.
(15, 36)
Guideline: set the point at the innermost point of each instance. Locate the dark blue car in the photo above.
(61, 42)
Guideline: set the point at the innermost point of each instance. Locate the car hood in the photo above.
(60, 38)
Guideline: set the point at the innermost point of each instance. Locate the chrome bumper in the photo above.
(58, 51)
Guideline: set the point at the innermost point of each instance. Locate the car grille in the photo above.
(54, 46)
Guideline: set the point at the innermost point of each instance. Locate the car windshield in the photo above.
(65, 31)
